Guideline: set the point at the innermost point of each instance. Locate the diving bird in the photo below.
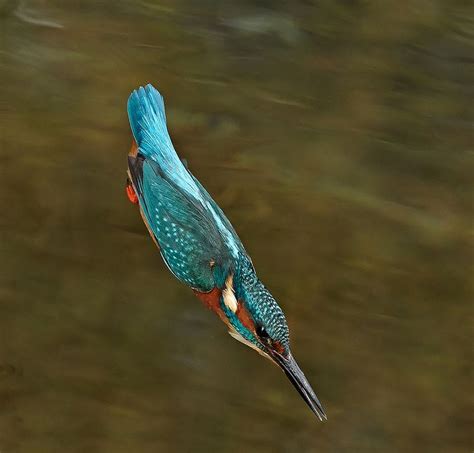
(199, 244)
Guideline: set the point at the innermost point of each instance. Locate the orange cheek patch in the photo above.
(277, 346)
(244, 317)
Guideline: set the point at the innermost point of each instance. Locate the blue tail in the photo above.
(146, 113)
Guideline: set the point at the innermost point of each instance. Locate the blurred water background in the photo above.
(338, 138)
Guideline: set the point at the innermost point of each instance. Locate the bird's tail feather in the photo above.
(146, 113)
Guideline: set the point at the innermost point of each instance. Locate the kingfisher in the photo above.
(198, 243)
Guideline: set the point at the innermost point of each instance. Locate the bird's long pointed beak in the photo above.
(298, 379)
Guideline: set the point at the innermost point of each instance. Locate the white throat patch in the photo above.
(228, 294)
(234, 334)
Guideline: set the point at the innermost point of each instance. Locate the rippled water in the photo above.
(338, 138)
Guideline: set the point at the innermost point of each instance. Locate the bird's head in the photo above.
(255, 319)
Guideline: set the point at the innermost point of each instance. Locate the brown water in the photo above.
(338, 138)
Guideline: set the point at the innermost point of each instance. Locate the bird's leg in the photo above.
(131, 194)
(130, 191)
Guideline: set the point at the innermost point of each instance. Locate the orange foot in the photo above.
(131, 194)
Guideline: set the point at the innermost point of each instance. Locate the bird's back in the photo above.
(196, 239)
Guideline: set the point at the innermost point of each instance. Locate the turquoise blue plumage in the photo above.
(146, 112)
(199, 244)
(190, 228)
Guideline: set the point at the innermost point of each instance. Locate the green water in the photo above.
(338, 138)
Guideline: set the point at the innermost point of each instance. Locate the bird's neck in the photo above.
(245, 278)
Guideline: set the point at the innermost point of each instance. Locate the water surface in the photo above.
(337, 136)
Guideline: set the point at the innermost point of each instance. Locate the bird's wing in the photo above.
(187, 234)
(166, 188)
(224, 225)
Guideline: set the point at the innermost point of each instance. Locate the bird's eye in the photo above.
(262, 333)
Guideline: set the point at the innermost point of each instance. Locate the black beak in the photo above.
(298, 379)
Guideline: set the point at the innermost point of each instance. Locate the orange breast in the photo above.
(212, 301)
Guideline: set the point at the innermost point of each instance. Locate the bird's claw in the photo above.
(130, 191)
